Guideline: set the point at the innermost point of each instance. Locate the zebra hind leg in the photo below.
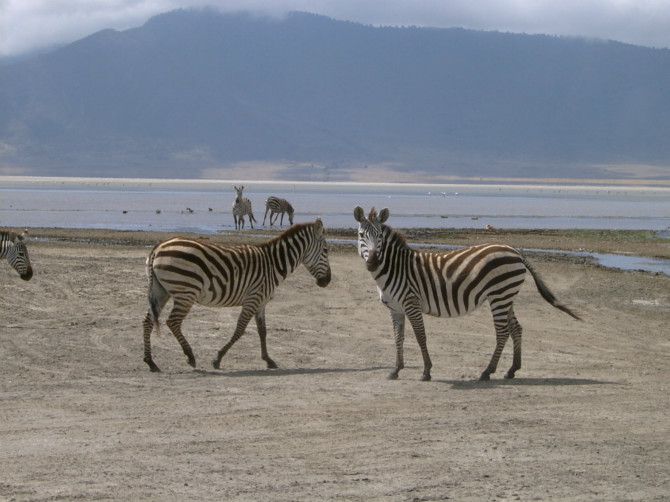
(242, 322)
(515, 332)
(179, 311)
(157, 297)
(502, 326)
(148, 325)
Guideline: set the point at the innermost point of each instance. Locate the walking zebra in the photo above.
(241, 207)
(219, 275)
(276, 206)
(13, 247)
(445, 284)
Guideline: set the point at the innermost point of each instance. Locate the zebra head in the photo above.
(315, 256)
(239, 191)
(290, 211)
(370, 236)
(17, 255)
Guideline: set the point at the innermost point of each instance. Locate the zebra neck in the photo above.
(5, 244)
(285, 255)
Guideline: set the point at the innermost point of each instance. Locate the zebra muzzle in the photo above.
(28, 274)
(322, 282)
(373, 262)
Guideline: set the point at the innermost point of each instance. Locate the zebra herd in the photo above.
(410, 283)
(275, 205)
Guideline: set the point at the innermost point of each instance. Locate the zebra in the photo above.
(276, 206)
(13, 247)
(241, 207)
(445, 284)
(219, 275)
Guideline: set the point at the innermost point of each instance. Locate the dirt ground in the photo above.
(82, 418)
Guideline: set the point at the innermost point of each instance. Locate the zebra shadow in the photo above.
(280, 372)
(521, 382)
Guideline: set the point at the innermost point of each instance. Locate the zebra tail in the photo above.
(154, 304)
(546, 293)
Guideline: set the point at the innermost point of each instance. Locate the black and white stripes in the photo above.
(218, 275)
(13, 248)
(412, 283)
(242, 208)
(277, 206)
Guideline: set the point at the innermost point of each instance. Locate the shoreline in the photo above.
(541, 244)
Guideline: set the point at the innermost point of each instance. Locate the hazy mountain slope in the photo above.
(192, 90)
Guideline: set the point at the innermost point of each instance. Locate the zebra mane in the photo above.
(291, 232)
(394, 236)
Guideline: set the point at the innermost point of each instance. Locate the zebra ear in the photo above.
(384, 215)
(359, 214)
(318, 227)
(23, 234)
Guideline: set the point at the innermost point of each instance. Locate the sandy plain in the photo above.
(82, 418)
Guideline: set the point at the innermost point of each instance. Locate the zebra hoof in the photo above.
(485, 377)
(272, 365)
(216, 364)
(152, 365)
(425, 377)
(509, 375)
(393, 375)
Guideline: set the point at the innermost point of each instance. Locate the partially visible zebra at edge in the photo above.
(445, 284)
(219, 275)
(242, 207)
(13, 248)
(277, 206)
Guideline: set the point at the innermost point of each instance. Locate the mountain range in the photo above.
(197, 93)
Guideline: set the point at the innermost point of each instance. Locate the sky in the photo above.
(27, 26)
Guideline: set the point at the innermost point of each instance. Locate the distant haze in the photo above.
(198, 93)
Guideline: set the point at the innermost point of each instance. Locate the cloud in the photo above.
(29, 25)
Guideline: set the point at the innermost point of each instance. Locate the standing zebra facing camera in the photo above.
(445, 284)
(241, 208)
(13, 248)
(218, 275)
(278, 206)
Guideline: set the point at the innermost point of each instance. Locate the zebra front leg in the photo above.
(242, 321)
(399, 334)
(416, 320)
(179, 311)
(262, 333)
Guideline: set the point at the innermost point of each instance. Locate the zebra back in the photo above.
(13, 248)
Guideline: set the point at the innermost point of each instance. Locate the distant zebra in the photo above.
(219, 275)
(445, 284)
(242, 207)
(276, 206)
(13, 247)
